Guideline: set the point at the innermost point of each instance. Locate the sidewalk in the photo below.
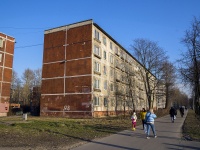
(169, 137)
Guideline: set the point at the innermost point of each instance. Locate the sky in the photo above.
(162, 21)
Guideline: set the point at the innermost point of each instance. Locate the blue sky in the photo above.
(163, 21)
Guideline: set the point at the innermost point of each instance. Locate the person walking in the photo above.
(182, 111)
(134, 120)
(150, 116)
(142, 116)
(172, 113)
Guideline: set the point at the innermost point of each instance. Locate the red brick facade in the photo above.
(6, 63)
(66, 74)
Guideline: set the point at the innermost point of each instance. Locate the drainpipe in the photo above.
(65, 60)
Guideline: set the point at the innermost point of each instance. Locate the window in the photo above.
(104, 55)
(105, 85)
(97, 50)
(1, 42)
(111, 59)
(96, 101)
(111, 45)
(112, 102)
(105, 102)
(104, 41)
(96, 83)
(97, 67)
(111, 87)
(122, 78)
(122, 53)
(111, 72)
(0, 57)
(116, 49)
(96, 35)
(117, 63)
(104, 70)
(129, 59)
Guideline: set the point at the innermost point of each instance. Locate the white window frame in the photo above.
(111, 72)
(111, 59)
(96, 101)
(104, 41)
(111, 46)
(117, 62)
(104, 55)
(116, 50)
(104, 70)
(96, 35)
(96, 83)
(105, 101)
(97, 50)
(105, 85)
(124, 55)
(97, 66)
(111, 87)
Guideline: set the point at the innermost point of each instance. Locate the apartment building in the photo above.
(87, 73)
(6, 62)
(160, 96)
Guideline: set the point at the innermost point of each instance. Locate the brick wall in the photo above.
(69, 96)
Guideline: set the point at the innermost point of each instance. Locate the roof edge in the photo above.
(81, 23)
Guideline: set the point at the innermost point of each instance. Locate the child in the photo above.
(134, 119)
(142, 116)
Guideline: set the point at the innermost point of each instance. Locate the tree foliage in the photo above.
(189, 64)
(151, 57)
(21, 88)
(169, 79)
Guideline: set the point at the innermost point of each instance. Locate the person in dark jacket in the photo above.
(172, 113)
(181, 111)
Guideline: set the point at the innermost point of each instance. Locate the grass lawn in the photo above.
(62, 132)
(191, 127)
(56, 132)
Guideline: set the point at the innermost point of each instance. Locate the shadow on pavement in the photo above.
(182, 147)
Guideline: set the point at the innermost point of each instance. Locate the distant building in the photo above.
(86, 73)
(6, 63)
